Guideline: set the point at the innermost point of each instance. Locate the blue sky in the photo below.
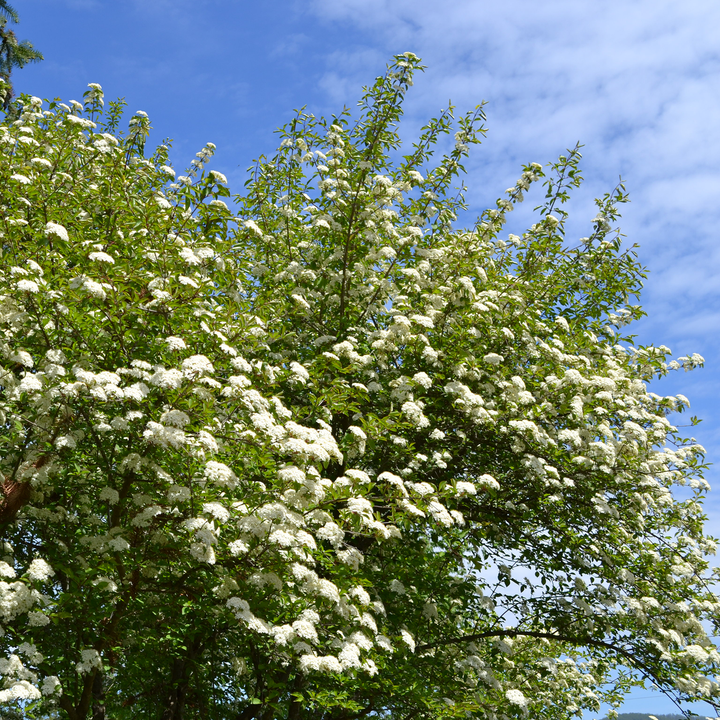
(635, 81)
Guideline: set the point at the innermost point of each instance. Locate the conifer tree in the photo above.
(13, 53)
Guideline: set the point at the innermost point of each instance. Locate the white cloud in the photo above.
(634, 81)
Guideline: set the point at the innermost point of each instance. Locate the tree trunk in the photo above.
(16, 494)
(179, 677)
(98, 706)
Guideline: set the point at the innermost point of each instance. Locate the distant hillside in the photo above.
(645, 716)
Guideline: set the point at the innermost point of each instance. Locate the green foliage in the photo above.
(13, 53)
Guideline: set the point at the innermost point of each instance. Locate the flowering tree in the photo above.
(326, 455)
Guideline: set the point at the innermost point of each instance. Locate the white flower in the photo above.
(408, 639)
(465, 488)
(282, 538)
(175, 343)
(106, 584)
(309, 663)
(203, 553)
(410, 508)
(349, 656)
(370, 668)
(109, 494)
(218, 177)
(101, 257)
(493, 358)
(283, 634)
(27, 286)
(119, 544)
(415, 414)
(93, 288)
(184, 280)
(22, 179)
(30, 383)
(430, 610)
(440, 513)
(139, 391)
(305, 629)
(220, 474)
(20, 690)
(252, 225)
(327, 589)
(158, 434)
(361, 595)
(331, 532)
(52, 228)
(55, 356)
(90, 659)
(51, 685)
(359, 506)
(144, 518)
(189, 256)
(168, 379)
(207, 441)
(422, 488)
(697, 653)
(39, 570)
(37, 619)
(516, 698)
(238, 547)
(300, 372)
(238, 605)
(218, 511)
(178, 494)
(82, 122)
(329, 664)
(488, 481)
(197, 365)
(383, 643)
(176, 418)
(291, 474)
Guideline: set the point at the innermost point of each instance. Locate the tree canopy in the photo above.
(13, 53)
(324, 452)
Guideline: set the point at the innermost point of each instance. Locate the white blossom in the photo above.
(90, 659)
(39, 570)
(515, 697)
(109, 494)
(52, 228)
(102, 257)
(51, 685)
(408, 639)
(29, 286)
(197, 366)
(493, 358)
(175, 343)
